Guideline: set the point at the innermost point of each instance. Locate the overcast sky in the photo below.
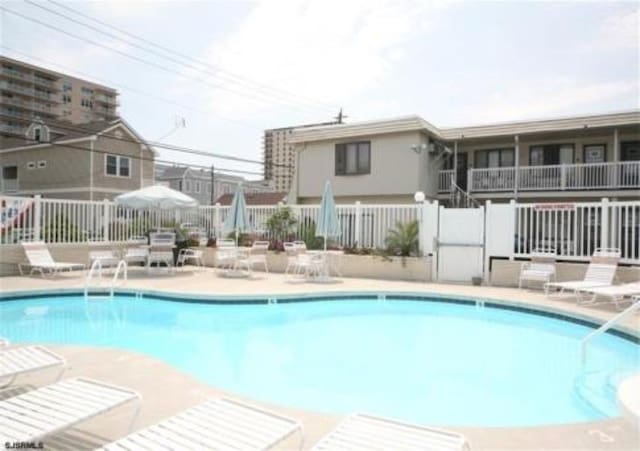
(286, 62)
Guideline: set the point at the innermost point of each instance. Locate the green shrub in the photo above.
(403, 240)
(281, 223)
(308, 235)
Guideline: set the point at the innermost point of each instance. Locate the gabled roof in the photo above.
(416, 123)
(255, 199)
(62, 131)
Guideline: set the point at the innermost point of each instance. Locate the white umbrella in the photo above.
(156, 196)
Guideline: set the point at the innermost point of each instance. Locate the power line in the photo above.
(132, 57)
(127, 55)
(135, 90)
(135, 157)
(166, 146)
(233, 77)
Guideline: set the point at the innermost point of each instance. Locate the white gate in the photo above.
(460, 244)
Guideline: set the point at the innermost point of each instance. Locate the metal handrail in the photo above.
(457, 193)
(122, 264)
(606, 326)
(97, 264)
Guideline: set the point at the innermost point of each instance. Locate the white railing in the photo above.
(444, 180)
(76, 221)
(576, 230)
(603, 176)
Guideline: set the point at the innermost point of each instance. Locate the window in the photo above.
(42, 164)
(66, 87)
(209, 187)
(353, 158)
(551, 155)
(196, 186)
(31, 165)
(630, 151)
(9, 178)
(179, 185)
(187, 186)
(595, 153)
(86, 103)
(87, 91)
(37, 134)
(117, 166)
(494, 158)
(66, 98)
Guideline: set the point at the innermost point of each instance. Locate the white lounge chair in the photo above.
(541, 268)
(365, 432)
(100, 251)
(255, 255)
(613, 293)
(216, 424)
(161, 246)
(40, 260)
(18, 360)
(56, 407)
(600, 273)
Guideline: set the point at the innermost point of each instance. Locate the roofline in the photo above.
(416, 123)
(49, 144)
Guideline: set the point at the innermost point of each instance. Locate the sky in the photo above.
(275, 63)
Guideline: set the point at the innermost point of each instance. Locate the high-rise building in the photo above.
(28, 91)
(279, 155)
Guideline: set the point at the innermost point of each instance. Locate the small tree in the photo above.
(281, 223)
(403, 240)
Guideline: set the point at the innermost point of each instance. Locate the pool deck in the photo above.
(167, 390)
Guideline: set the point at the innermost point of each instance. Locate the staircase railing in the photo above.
(606, 326)
(122, 266)
(459, 198)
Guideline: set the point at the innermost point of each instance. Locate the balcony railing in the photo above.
(568, 177)
(27, 77)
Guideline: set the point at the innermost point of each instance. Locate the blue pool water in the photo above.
(427, 362)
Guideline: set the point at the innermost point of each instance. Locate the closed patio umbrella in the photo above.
(327, 226)
(237, 219)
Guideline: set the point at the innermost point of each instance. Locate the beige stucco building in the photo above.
(27, 91)
(98, 161)
(387, 161)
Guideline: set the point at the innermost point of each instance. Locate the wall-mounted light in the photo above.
(417, 148)
(419, 197)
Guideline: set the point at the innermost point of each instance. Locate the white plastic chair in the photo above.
(600, 273)
(255, 255)
(541, 268)
(100, 251)
(40, 260)
(216, 424)
(226, 253)
(195, 255)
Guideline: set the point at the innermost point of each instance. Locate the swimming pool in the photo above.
(429, 362)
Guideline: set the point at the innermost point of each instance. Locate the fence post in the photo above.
(105, 220)
(216, 219)
(604, 223)
(470, 180)
(514, 212)
(358, 225)
(563, 177)
(37, 217)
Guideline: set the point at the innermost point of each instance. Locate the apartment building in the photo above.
(387, 161)
(95, 161)
(27, 91)
(279, 155)
(197, 183)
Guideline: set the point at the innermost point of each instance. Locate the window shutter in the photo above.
(340, 159)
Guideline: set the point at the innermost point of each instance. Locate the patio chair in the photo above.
(600, 273)
(98, 251)
(40, 260)
(541, 268)
(613, 293)
(53, 408)
(226, 253)
(136, 254)
(195, 255)
(361, 432)
(309, 265)
(18, 360)
(161, 246)
(221, 423)
(255, 255)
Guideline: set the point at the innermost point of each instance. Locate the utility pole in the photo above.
(213, 185)
(340, 117)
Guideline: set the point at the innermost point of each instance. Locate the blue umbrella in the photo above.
(327, 216)
(237, 219)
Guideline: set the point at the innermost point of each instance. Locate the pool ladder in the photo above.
(605, 327)
(96, 269)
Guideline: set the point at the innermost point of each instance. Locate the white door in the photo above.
(460, 244)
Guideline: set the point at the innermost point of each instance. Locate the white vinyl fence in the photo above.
(573, 230)
(71, 221)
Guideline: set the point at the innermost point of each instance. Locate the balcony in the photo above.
(27, 77)
(569, 177)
